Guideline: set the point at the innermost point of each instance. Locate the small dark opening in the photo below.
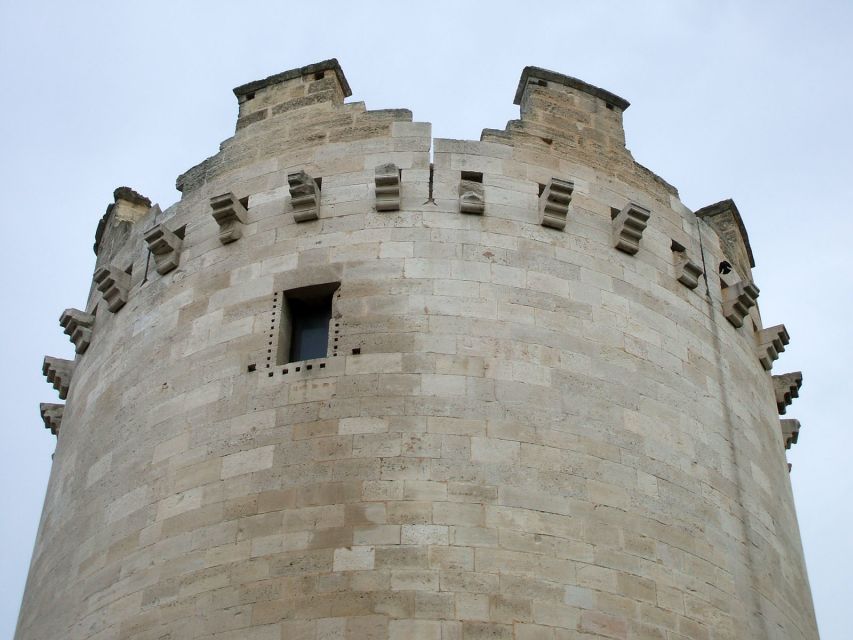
(614, 212)
(319, 75)
(319, 183)
(473, 176)
(129, 270)
(305, 325)
(181, 232)
(250, 368)
(541, 188)
(725, 267)
(540, 83)
(677, 247)
(356, 351)
(250, 95)
(609, 106)
(245, 202)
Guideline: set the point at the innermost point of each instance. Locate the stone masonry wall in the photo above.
(520, 431)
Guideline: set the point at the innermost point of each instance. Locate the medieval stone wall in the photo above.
(546, 411)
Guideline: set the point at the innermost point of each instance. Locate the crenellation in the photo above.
(304, 196)
(51, 414)
(230, 215)
(771, 342)
(78, 326)
(165, 246)
(437, 425)
(628, 226)
(58, 373)
(387, 181)
(114, 284)
(787, 387)
(554, 203)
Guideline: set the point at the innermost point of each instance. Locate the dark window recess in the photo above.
(305, 323)
(473, 176)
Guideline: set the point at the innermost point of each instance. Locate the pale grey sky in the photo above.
(730, 98)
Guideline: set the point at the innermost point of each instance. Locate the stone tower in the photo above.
(339, 391)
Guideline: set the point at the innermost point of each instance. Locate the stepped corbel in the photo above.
(52, 416)
(771, 342)
(387, 187)
(78, 326)
(230, 215)
(166, 247)
(790, 431)
(304, 196)
(554, 203)
(58, 373)
(471, 197)
(787, 387)
(114, 284)
(738, 299)
(687, 272)
(628, 226)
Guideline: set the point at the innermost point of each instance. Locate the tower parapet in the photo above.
(315, 398)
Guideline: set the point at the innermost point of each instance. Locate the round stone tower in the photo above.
(339, 391)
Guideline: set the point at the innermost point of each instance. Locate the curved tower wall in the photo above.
(519, 431)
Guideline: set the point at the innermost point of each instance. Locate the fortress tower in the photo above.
(339, 392)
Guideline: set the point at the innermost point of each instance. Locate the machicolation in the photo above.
(341, 390)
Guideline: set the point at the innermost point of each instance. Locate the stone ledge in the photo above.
(326, 65)
(538, 73)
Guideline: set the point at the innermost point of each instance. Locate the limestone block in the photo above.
(471, 197)
(304, 196)
(230, 215)
(771, 342)
(628, 226)
(114, 284)
(166, 247)
(554, 203)
(738, 299)
(790, 431)
(78, 326)
(686, 271)
(387, 187)
(52, 416)
(787, 387)
(58, 372)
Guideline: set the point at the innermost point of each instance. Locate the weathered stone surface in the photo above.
(628, 226)
(787, 387)
(114, 284)
(771, 342)
(471, 197)
(790, 431)
(517, 433)
(230, 215)
(51, 414)
(165, 246)
(58, 373)
(554, 203)
(387, 187)
(78, 326)
(304, 196)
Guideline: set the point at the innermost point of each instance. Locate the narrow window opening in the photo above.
(473, 176)
(306, 316)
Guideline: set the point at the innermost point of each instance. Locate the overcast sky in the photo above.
(741, 99)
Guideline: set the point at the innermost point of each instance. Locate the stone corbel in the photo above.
(78, 326)
(628, 226)
(787, 387)
(687, 272)
(166, 247)
(230, 215)
(52, 416)
(471, 197)
(387, 187)
(738, 299)
(114, 284)
(790, 431)
(554, 203)
(58, 373)
(304, 196)
(771, 342)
